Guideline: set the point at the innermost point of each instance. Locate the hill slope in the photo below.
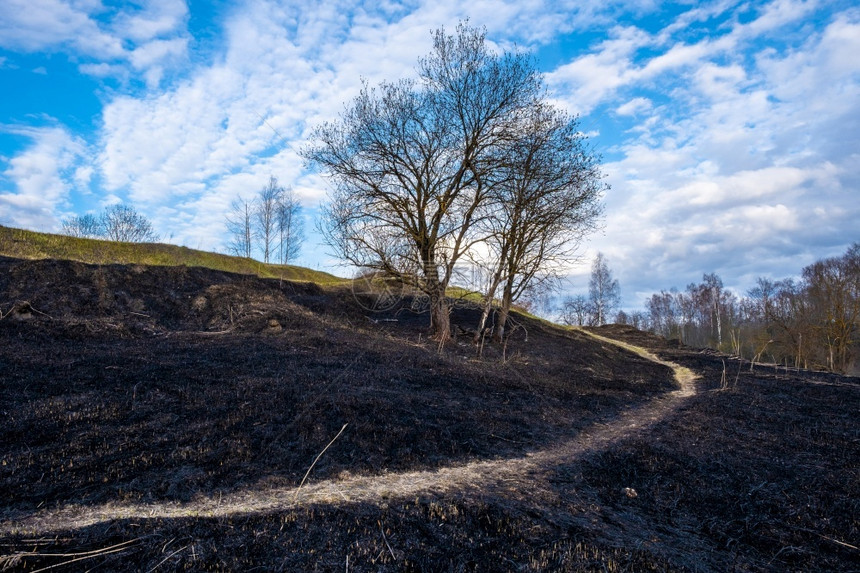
(22, 244)
(166, 417)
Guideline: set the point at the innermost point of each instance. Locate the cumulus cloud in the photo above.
(592, 78)
(742, 175)
(43, 176)
(148, 35)
(736, 126)
(634, 106)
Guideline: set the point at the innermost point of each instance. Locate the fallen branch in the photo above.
(16, 557)
(385, 539)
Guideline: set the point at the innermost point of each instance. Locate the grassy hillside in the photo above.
(23, 244)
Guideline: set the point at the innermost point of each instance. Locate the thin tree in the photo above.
(663, 313)
(290, 226)
(240, 226)
(603, 290)
(409, 162)
(266, 216)
(833, 291)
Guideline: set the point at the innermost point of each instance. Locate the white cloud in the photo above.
(155, 19)
(738, 142)
(616, 64)
(43, 176)
(634, 106)
(779, 13)
(34, 25)
(148, 35)
(103, 70)
(590, 79)
(755, 163)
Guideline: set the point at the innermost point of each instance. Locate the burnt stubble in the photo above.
(130, 389)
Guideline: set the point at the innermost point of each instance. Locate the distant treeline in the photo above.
(813, 322)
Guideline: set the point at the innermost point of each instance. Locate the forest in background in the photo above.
(812, 322)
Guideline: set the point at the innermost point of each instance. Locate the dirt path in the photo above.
(487, 477)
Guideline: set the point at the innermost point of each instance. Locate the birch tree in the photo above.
(240, 226)
(290, 227)
(266, 216)
(603, 290)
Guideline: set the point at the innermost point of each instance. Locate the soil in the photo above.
(172, 418)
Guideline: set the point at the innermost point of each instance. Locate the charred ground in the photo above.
(135, 384)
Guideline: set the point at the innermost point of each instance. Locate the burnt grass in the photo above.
(131, 384)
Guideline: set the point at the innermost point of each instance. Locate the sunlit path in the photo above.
(491, 476)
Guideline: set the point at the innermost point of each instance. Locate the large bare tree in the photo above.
(409, 162)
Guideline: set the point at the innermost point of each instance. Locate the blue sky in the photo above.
(730, 131)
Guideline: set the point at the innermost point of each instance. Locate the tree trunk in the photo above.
(488, 307)
(507, 298)
(440, 320)
(499, 334)
(485, 314)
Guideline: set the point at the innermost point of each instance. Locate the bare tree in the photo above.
(664, 313)
(240, 226)
(85, 226)
(290, 227)
(116, 223)
(603, 290)
(266, 216)
(833, 291)
(576, 310)
(543, 200)
(123, 223)
(409, 162)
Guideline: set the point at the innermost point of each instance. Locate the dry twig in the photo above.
(385, 539)
(316, 459)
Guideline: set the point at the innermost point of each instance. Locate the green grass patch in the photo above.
(23, 244)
